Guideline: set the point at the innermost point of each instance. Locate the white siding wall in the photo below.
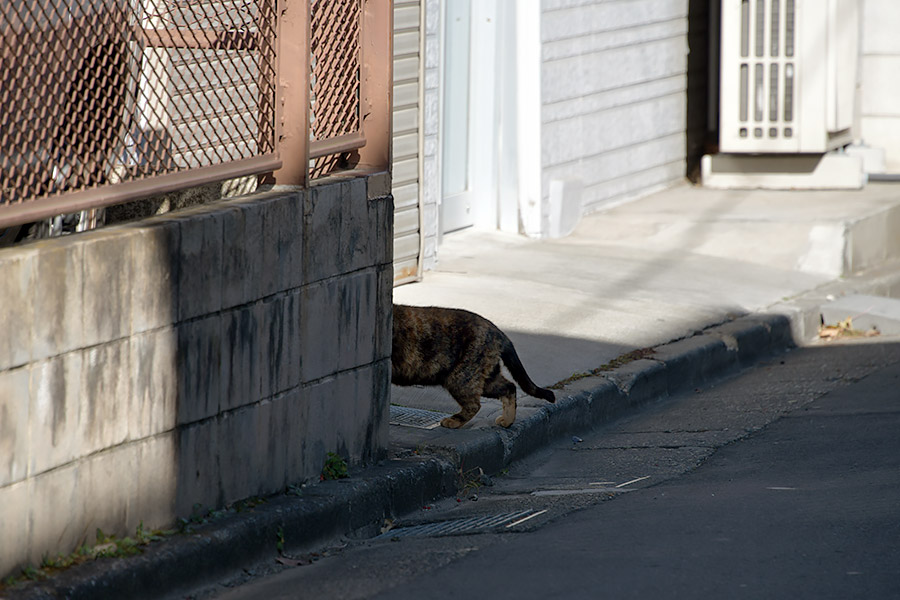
(405, 164)
(880, 110)
(613, 94)
(202, 111)
(431, 184)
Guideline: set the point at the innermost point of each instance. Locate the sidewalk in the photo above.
(659, 269)
(704, 280)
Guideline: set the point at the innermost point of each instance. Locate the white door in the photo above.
(456, 200)
(480, 152)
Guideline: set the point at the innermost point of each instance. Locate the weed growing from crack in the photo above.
(106, 546)
(471, 480)
(279, 536)
(612, 365)
(335, 467)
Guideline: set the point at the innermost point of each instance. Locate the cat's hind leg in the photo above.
(469, 407)
(466, 393)
(499, 387)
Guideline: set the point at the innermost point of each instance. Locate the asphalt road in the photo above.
(781, 482)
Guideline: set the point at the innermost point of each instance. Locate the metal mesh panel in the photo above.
(335, 75)
(465, 526)
(415, 417)
(99, 92)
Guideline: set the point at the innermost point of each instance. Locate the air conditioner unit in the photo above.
(788, 71)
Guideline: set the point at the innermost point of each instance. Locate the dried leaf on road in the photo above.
(844, 329)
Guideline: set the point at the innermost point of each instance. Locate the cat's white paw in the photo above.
(502, 421)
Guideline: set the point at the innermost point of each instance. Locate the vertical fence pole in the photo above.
(292, 94)
(376, 81)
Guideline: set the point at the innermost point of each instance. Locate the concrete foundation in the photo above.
(831, 171)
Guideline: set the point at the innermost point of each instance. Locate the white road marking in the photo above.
(633, 481)
(523, 519)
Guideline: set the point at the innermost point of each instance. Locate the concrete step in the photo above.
(873, 238)
(832, 233)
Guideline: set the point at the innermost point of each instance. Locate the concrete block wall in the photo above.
(199, 357)
(613, 96)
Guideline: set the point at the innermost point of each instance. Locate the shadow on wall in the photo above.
(182, 362)
(261, 396)
(700, 133)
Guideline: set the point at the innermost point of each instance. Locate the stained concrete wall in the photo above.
(199, 357)
(613, 96)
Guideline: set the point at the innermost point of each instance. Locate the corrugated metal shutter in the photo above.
(406, 182)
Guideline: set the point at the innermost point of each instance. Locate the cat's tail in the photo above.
(517, 370)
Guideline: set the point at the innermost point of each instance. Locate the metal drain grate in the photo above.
(415, 417)
(461, 526)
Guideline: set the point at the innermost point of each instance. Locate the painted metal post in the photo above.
(376, 82)
(292, 101)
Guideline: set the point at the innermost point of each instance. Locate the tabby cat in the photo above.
(462, 352)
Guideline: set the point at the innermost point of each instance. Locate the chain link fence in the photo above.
(103, 101)
(334, 86)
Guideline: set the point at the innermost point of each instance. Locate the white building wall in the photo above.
(613, 95)
(880, 79)
(431, 184)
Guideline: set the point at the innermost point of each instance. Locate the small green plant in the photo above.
(50, 563)
(111, 546)
(199, 516)
(279, 536)
(335, 467)
(33, 574)
(107, 546)
(242, 505)
(143, 536)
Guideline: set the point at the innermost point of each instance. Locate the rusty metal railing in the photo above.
(345, 84)
(334, 82)
(104, 101)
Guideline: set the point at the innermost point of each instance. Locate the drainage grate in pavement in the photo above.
(461, 526)
(415, 417)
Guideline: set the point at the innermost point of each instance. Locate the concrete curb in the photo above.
(335, 508)
(223, 546)
(431, 471)
(803, 311)
(591, 401)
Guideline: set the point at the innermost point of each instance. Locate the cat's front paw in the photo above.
(502, 421)
(452, 422)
